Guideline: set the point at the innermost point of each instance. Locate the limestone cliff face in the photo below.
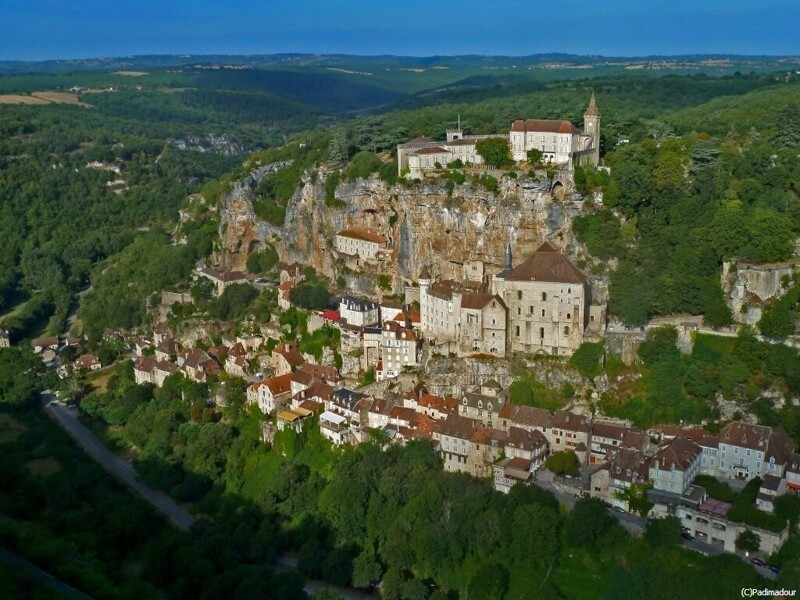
(241, 232)
(423, 225)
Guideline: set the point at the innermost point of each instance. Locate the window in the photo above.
(569, 316)
(519, 310)
(566, 330)
(517, 330)
(542, 312)
(519, 294)
(544, 296)
(541, 333)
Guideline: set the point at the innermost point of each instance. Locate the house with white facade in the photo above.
(747, 451)
(359, 312)
(361, 242)
(399, 349)
(675, 466)
(271, 394)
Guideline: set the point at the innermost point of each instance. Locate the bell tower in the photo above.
(591, 127)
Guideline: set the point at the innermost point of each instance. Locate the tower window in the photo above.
(544, 296)
(541, 333)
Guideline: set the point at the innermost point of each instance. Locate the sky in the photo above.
(61, 29)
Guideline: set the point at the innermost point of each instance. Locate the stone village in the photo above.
(541, 304)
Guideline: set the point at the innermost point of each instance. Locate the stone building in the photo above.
(481, 325)
(5, 339)
(360, 242)
(399, 348)
(453, 312)
(560, 142)
(547, 302)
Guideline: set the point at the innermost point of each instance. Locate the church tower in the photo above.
(591, 127)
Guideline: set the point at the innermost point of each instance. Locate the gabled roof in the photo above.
(361, 233)
(569, 421)
(524, 439)
(547, 264)
(476, 301)
(680, 454)
(456, 426)
(290, 353)
(544, 126)
(434, 150)
(143, 364)
(280, 384)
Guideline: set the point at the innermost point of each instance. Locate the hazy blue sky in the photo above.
(41, 29)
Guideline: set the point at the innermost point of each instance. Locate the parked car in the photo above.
(687, 536)
(758, 562)
(774, 569)
(618, 509)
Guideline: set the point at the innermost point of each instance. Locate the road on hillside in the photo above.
(64, 590)
(66, 417)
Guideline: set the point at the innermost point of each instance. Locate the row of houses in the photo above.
(741, 451)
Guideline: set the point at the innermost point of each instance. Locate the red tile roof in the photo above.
(367, 235)
(280, 384)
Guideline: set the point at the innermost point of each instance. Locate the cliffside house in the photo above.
(747, 451)
(546, 296)
(361, 242)
(222, 279)
(358, 312)
(286, 358)
(560, 142)
(271, 394)
(399, 349)
(675, 466)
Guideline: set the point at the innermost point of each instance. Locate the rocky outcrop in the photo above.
(748, 287)
(241, 232)
(210, 143)
(424, 225)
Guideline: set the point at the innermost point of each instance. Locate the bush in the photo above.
(563, 463)
(312, 296)
(587, 359)
(363, 165)
(495, 151)
(331, 183)
(262, 262)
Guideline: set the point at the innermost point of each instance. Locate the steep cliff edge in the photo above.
(424, 226)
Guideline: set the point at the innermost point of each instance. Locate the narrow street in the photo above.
(67, 419)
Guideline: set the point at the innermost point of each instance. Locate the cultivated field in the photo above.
(42, 98)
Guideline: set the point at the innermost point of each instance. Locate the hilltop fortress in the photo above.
(561, 143)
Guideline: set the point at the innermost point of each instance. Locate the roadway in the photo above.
(67, 418)
(20, 564)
